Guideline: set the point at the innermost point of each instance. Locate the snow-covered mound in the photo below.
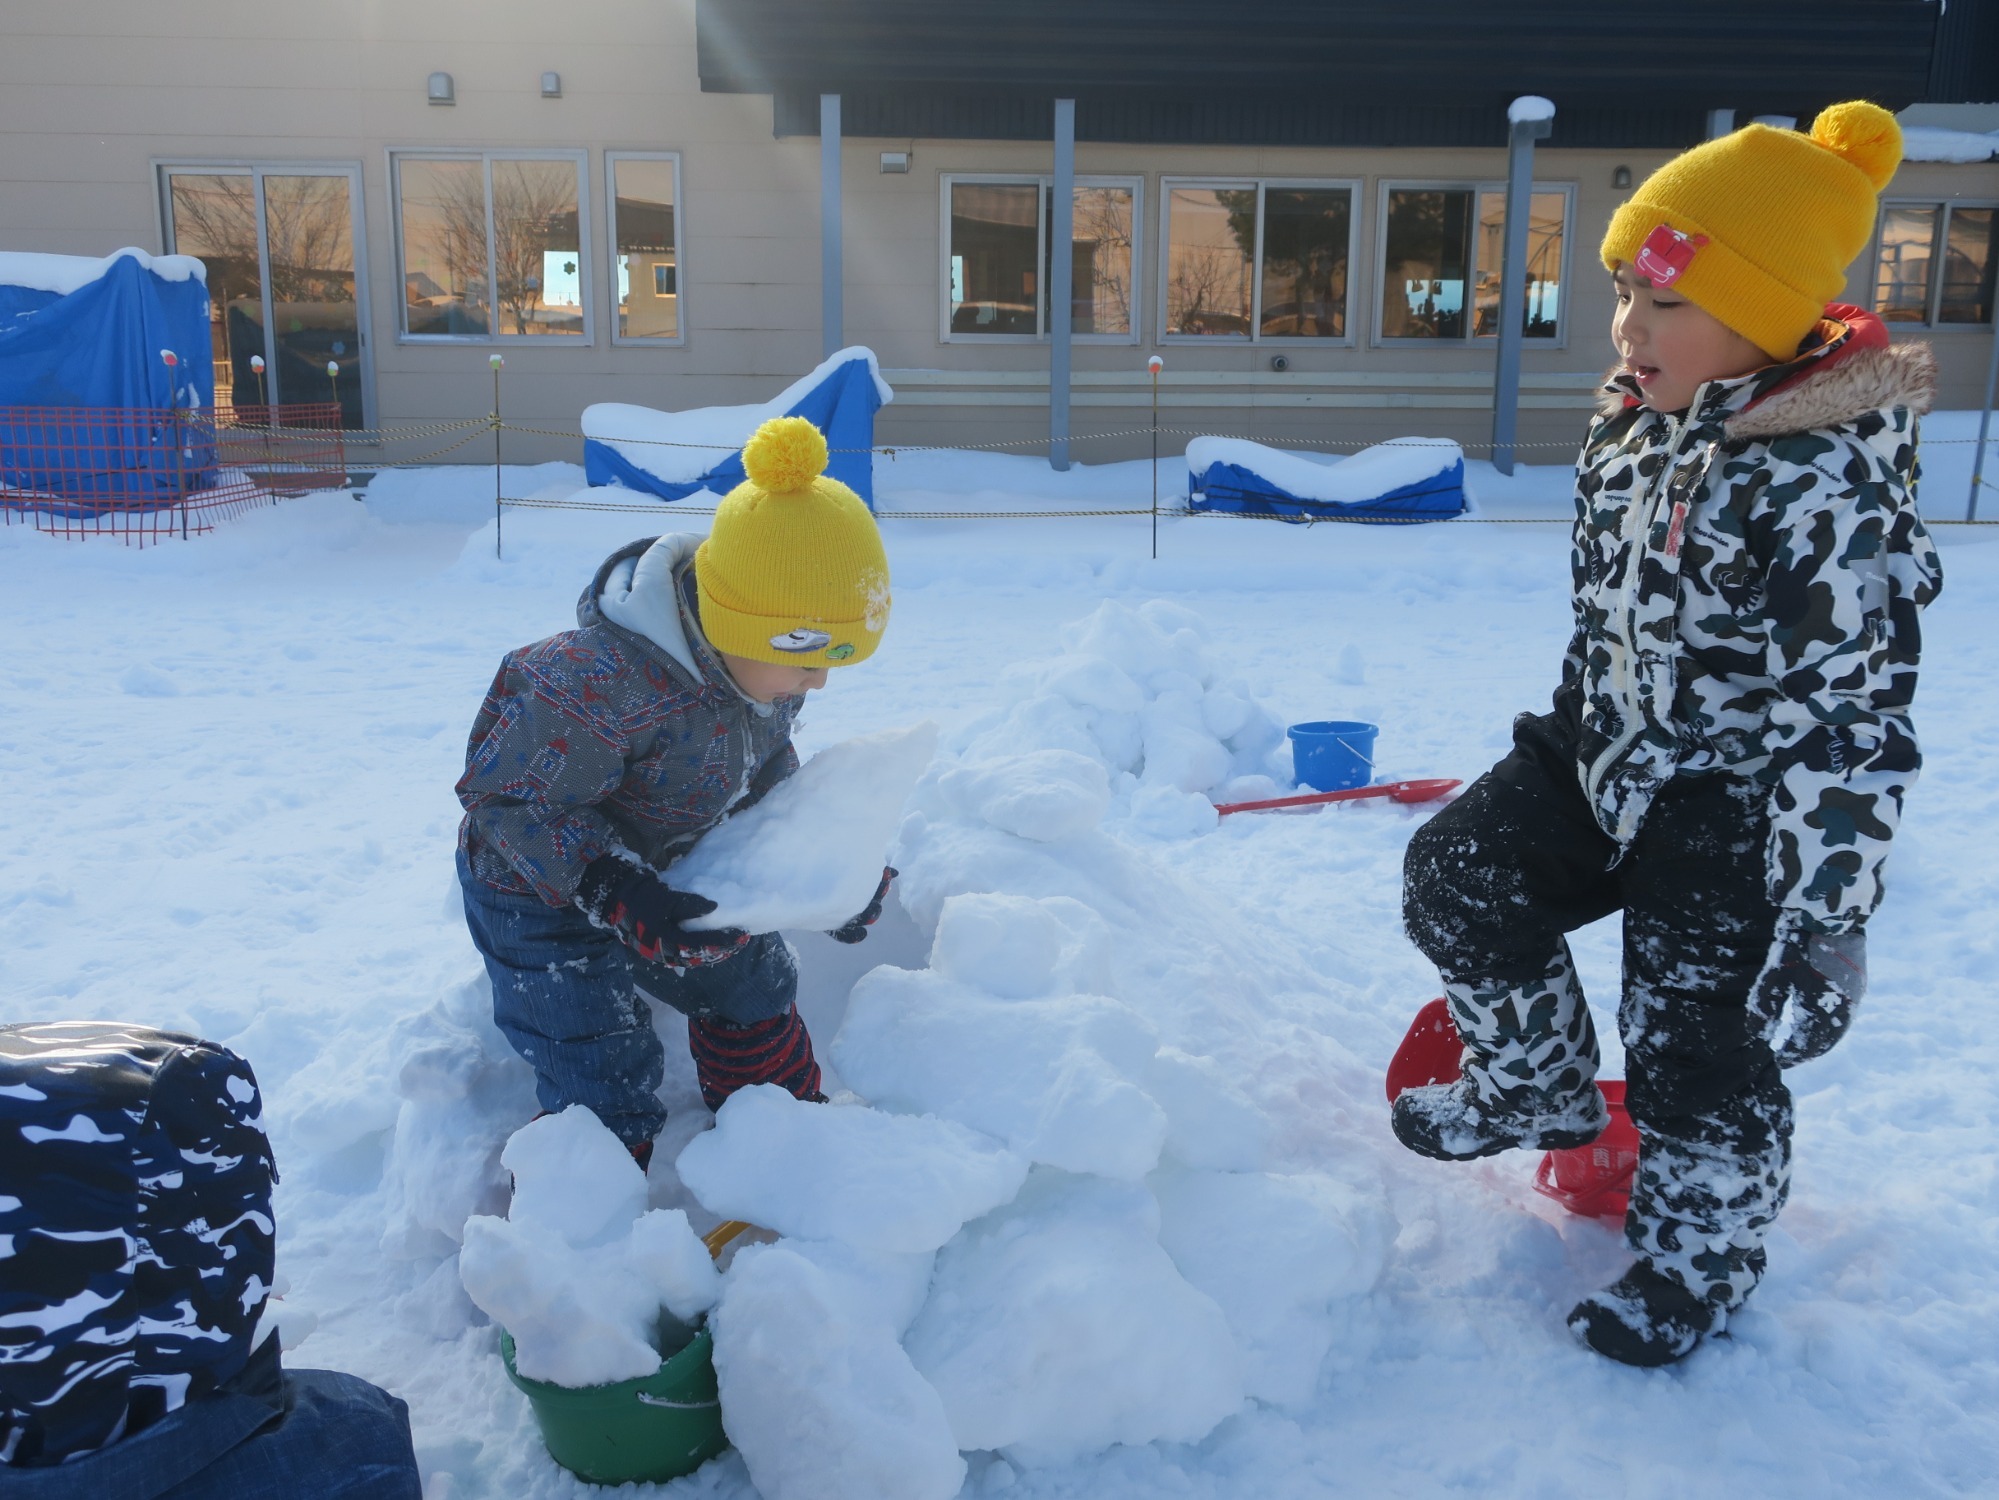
(810, 854)
(1070, 1080)
(1365, 475)
(680, 446)
(1935, 143)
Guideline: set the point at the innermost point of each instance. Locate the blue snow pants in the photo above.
(571, 999)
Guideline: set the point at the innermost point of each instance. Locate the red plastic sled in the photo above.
(1593, 1181)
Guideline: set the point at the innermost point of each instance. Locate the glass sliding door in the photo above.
(213, 217)
(284, 281)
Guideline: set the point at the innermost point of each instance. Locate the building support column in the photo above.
(1061, 274)
(1530, 119)
(832, 266)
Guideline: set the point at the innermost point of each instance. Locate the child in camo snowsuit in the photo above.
(1730, 746)
(602, 754)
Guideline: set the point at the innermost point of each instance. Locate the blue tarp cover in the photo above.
(842, 405)
(97, 350)
(1229, 487)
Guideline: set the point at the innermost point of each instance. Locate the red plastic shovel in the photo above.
(1401, 791)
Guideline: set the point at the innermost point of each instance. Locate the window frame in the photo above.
(1475, 186)
(1933, 296)
(1356, 207)
(645, 341)
(1045, 181)
(586, 291)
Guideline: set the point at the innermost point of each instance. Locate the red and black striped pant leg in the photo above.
(728, 1057)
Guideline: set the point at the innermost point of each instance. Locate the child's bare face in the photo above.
(1671, 346)
(768, 681)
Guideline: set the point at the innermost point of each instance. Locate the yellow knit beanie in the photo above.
(1758, 228)
(793, 570)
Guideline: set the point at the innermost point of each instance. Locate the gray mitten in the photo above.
(1813, 984)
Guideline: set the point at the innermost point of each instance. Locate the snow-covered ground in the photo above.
(229, 810)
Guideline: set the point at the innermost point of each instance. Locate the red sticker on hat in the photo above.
(1666, 253)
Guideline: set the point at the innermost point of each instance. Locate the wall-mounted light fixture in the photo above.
(1621, 178)
(551, 85)
(895, 161)
(440, 89)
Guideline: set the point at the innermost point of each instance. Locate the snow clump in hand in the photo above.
(578, 1272)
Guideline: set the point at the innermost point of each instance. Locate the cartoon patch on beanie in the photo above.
(793, 571)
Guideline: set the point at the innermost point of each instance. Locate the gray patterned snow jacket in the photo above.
(1748, 576)
(624, 736)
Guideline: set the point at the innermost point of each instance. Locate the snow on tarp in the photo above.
(1934, 143)
(673, 454)
(88, 335)
(1408, 479)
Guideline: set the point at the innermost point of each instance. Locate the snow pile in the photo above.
(810, 854)
(1137, 717)
(681, 446)
(1529, 108)
(63, 274)
(1067, 1113)
(578, 1271)
(1935, 143)
(1365, 475)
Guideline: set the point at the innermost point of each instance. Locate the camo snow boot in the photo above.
(1529, 1070)
(1645, 1318)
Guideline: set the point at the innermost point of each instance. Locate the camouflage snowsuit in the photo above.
(1725, 763)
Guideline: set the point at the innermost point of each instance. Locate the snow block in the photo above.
(823, 1405)
(677, 454)
(1058, 1327)
(809, 856)
(847, 1173)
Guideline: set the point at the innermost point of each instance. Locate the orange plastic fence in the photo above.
(145, 473)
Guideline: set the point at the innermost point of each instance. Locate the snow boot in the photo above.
(730, 1056)
(1455, 1122)
(1645, 1318)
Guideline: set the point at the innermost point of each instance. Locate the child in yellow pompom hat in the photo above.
(1730, 745)
(603, 753)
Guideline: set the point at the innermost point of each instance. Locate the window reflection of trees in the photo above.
(1212, 242)
(534, 217)
(1101, 244)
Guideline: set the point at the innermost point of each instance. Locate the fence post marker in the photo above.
(1154, 365)
(172, 362)
(498, 363)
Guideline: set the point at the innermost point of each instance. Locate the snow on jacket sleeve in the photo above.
(1849, 567)
(546, 750)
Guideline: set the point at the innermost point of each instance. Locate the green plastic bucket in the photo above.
(662, 1426)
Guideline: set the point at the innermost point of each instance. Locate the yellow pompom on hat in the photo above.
(1757, 228)
(793, 570)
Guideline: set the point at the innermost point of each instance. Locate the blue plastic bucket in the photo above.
(1333, 755)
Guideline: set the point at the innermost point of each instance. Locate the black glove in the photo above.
(857, 929)
(645, 912)
(1813, 983)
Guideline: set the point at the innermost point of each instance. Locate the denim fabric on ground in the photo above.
(271, 1434)
(570, 998)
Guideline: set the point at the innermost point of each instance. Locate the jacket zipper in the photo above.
(1634, 721)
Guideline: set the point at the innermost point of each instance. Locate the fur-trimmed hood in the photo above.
(1853, 370)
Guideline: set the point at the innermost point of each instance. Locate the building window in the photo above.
(1935, 263)
(998, 240)
(1442, 250)
(645, 246)
(1257, 260)
(491, 245)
